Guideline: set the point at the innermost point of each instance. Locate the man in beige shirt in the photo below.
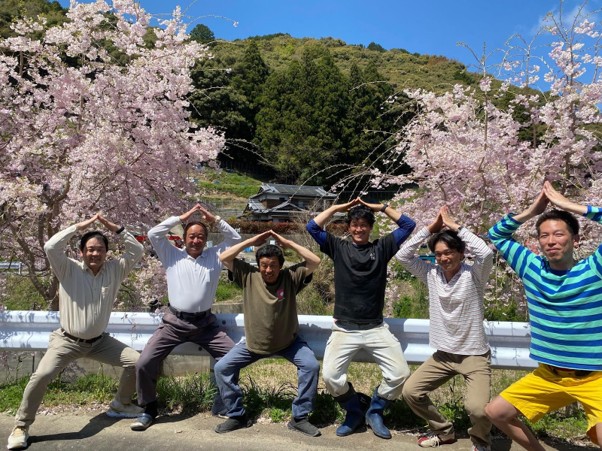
(87, 291)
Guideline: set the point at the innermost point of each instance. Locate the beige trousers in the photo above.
(438, 369)
(60, 353)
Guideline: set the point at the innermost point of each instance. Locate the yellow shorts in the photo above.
(544, 391)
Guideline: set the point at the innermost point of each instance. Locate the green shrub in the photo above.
(20, 294)
(227, 291)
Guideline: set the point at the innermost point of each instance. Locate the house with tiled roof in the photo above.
(277, 202)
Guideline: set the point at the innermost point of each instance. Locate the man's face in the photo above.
(269, 267)
(94, 254)
(557, 243)
(359, 229)
(448, 259)
(195, 240)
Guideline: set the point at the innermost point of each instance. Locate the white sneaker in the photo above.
(433, 440)
(18, 438)
(118, 410)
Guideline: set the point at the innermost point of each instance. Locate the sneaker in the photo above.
(18, 438)
(233, 423)
(118, 410)
(481, 447)
(304, 426)
(142, 423)
(433, 440)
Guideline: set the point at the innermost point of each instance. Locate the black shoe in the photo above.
(304, 426)
(233, 423)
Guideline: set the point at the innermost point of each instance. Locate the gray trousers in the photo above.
(438, 369)
(60, 353)
(173, 331)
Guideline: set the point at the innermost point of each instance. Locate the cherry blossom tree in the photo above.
(484, 159)
(486, 151)
(93, 118)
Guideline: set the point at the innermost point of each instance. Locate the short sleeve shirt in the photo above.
(271, 322)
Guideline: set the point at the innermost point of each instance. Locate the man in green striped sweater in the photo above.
(564, 298)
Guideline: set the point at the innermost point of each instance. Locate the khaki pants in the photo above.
(438, 369)
(60, 353)
(382, 346)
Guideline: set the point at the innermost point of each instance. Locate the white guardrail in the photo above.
(29, 331)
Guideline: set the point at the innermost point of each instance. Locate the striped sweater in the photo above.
(565, 307)
(455, 306)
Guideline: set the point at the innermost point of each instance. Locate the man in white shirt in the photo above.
(456, 291)
(192, 277)
(87, 292)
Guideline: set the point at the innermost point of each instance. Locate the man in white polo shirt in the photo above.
(192, 277)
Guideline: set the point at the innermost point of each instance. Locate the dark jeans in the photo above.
(174, 331)
(227, 372)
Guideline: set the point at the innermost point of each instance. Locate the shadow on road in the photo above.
(96, 424)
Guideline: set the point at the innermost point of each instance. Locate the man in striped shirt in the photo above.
(563, 297)
(456, 291)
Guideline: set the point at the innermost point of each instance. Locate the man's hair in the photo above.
(360, 212)
(193, 223)
(93, 234)
(559, 215)
(450, 238)
(269, 251)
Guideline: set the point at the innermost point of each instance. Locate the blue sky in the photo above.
(428, 27)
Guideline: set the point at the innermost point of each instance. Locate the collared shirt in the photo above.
(85, 299)
(455, 306)
(191, 282)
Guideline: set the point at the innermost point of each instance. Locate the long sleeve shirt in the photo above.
(360, 271)
(85, 299)
(565, 307)
(455, 306)
(191, 282)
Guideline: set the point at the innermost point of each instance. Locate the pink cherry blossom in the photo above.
(85, 128)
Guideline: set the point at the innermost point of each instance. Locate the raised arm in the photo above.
(536, 208)
(133, 249)
(447, 219)
(312, 261)
(228, 256)
(407, 253)
(56, 244)
(230, 235)
(561, 202)
(393, 214)
(158, 234)
(405, 224)
(323, 217)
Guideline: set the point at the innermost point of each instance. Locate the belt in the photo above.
(186, 316)
(80, 340)
(351, 325)
(567, 372)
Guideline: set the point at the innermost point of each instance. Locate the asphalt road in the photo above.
(91, 430)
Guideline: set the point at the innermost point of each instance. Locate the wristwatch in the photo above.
(384, 207)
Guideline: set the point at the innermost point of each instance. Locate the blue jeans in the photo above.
(227, 372)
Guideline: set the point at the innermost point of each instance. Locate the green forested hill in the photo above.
(302, 110)
(397, 66)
